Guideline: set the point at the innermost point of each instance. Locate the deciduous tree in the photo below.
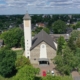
(7, 62)
(26, 73)
(12, 37)
(59, 26)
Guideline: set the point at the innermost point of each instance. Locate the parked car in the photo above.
(44, 73)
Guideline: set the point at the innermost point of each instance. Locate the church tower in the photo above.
(27, 34)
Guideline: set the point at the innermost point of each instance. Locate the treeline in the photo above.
(6, 21)
(68, 54)
(15, 20)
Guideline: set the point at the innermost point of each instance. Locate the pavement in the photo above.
(46, 68)
(75, 75)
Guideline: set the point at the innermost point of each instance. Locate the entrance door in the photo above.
(43, 62)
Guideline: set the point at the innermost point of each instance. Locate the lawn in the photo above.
(66, 78)
(19, 53)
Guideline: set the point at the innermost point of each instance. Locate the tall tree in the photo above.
(61, 43)
(78, 42)
(7, 62)
(12, 37)
(65, 62)
(71, 44)
(46, 30)
(77, 25)
(59, 26)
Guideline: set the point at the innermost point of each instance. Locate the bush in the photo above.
(26, 73)
(21, 62)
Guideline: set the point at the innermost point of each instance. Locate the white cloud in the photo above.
(39, 4)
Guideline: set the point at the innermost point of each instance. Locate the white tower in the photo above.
(27, 34)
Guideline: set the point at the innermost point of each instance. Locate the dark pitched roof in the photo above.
(26, 17)
(42, 36)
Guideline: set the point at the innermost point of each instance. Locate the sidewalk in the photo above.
(75, 75)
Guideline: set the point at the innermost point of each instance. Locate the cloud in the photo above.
(39, 4)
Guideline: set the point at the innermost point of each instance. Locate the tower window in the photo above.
(28, 57)
(34, 58)
(27, 52)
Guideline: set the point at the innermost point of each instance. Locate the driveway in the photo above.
(75, 75)
(46, 68)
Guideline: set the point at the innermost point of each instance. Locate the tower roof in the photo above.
(26, 17)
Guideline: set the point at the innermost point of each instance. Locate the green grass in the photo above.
(2, 78)
(19, 53)
(66, 77)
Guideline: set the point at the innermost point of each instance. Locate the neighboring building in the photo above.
(42, 48)
(40, 25)
(56, 36)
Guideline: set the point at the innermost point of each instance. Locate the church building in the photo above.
(42, 48)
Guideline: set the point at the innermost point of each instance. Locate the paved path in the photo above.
(75, 75)
(46, 68)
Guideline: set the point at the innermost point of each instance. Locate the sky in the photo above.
(39, 6)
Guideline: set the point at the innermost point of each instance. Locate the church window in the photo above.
(27, 56)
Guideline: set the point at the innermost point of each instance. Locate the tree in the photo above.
(46, 30)
(75, 34)
(22, 43)
(65, 62)
(77, 54)
(26, 73)
(38, 29)
(12, 37)
(7, 62)
(21, 62)
(78, 42)
(59, 26)
(71, 44)
(61, 43)
(77, 25)
(73, 40)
